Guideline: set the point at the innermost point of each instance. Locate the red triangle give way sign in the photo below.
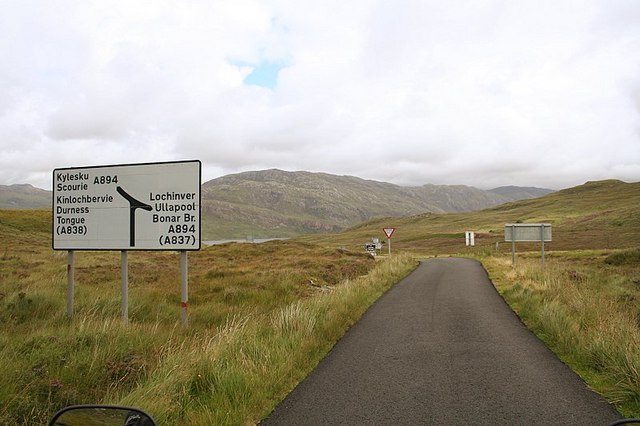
(388, 231)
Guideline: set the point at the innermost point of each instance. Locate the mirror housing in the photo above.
(101, 415)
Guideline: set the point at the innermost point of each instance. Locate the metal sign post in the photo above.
(542, 242)
(184, 289)
(124, 288)
(513, 245)
(70, 278)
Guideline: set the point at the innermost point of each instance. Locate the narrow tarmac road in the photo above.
(442, 347)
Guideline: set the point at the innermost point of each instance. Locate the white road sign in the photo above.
(153, 206)
(388, 231)
(527, 232)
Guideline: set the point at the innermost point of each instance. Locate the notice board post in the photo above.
(149, 206)
(526, 232)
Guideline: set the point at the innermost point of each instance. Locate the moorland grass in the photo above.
(261, 317)
(624, 257)
(239, 373)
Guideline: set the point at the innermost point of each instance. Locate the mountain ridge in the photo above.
(277, 203)
(293, 203)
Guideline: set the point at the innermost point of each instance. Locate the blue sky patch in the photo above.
(265, 74)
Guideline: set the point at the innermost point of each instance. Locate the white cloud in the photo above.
(483, 93)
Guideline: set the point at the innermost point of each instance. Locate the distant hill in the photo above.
(24, 196)
(515, 193)
(276, 203)
(279, 203)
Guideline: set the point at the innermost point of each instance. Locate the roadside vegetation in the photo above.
(261, 317)
(585, 306)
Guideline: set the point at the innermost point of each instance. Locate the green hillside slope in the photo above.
(24, 197)
(596, 215)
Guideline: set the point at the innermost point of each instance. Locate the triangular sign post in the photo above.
(389, 232)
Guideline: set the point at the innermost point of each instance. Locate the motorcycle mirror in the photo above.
(101, 415)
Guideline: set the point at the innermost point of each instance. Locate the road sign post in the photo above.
(389, 232)
(150, 206)
(526, 232)
(124, 286)
(513, 245)
(70, 283)
(184, 288)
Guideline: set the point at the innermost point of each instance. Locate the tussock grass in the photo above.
(238, 374)
(624, 257)
(585, 309)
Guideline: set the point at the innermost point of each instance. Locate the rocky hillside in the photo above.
(279, 203)
(515, 193)
(24, 197)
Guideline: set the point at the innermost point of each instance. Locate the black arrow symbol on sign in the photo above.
(133, 206)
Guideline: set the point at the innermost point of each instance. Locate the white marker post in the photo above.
(389, 232)
(151, 206)
(470, 238)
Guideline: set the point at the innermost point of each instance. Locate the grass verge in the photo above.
(239, 373)
(586, 308)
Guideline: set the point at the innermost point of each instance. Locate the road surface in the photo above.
(442, 347)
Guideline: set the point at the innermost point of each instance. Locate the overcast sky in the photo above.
(484, 93)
